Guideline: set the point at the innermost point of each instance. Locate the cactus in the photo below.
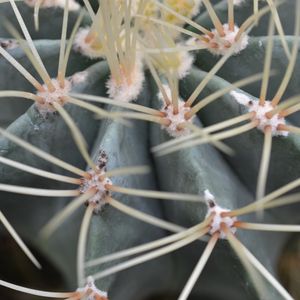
(161, 143)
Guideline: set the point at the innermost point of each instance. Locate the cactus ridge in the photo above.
(151, 117)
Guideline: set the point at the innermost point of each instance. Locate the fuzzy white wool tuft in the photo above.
(260, 113)
(218, 219)
(126, 91)
(73, 5)
(50, 97)
(186, 61)
(78, 77)
(81, 46)
(175, 119)
(179, 63)
(91, 292)
(208, 196)
(99, 199)
(223, 43)
(196, 8)
(238, 2)
(96, 182)
(8, 44)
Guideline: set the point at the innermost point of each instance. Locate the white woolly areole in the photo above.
(219, 45)
(127, 91)
(82, 46)
(260, 113)
(9, 44)
(238, 2)
(177, 119)
(179, 63)
(73, 5)
(218, 219)
(98, 181)
(208, 196)
(196, 8)
(50, 97)
(91, 292)
(186, 61)
(99, 199)
(78, 77)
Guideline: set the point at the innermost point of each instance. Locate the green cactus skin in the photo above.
(231, 179)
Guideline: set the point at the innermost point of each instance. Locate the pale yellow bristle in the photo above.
(149, 256)
(199, 267)
(48, 157)
(157, 194)
(58, 219)
(268, 227)
(77, 135)
(146, 247)
(267, 64)
(37, 192)
(18, 240)
(264, 164)
(38, 293)
(81, 248)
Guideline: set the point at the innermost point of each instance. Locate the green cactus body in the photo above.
(145, 124)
